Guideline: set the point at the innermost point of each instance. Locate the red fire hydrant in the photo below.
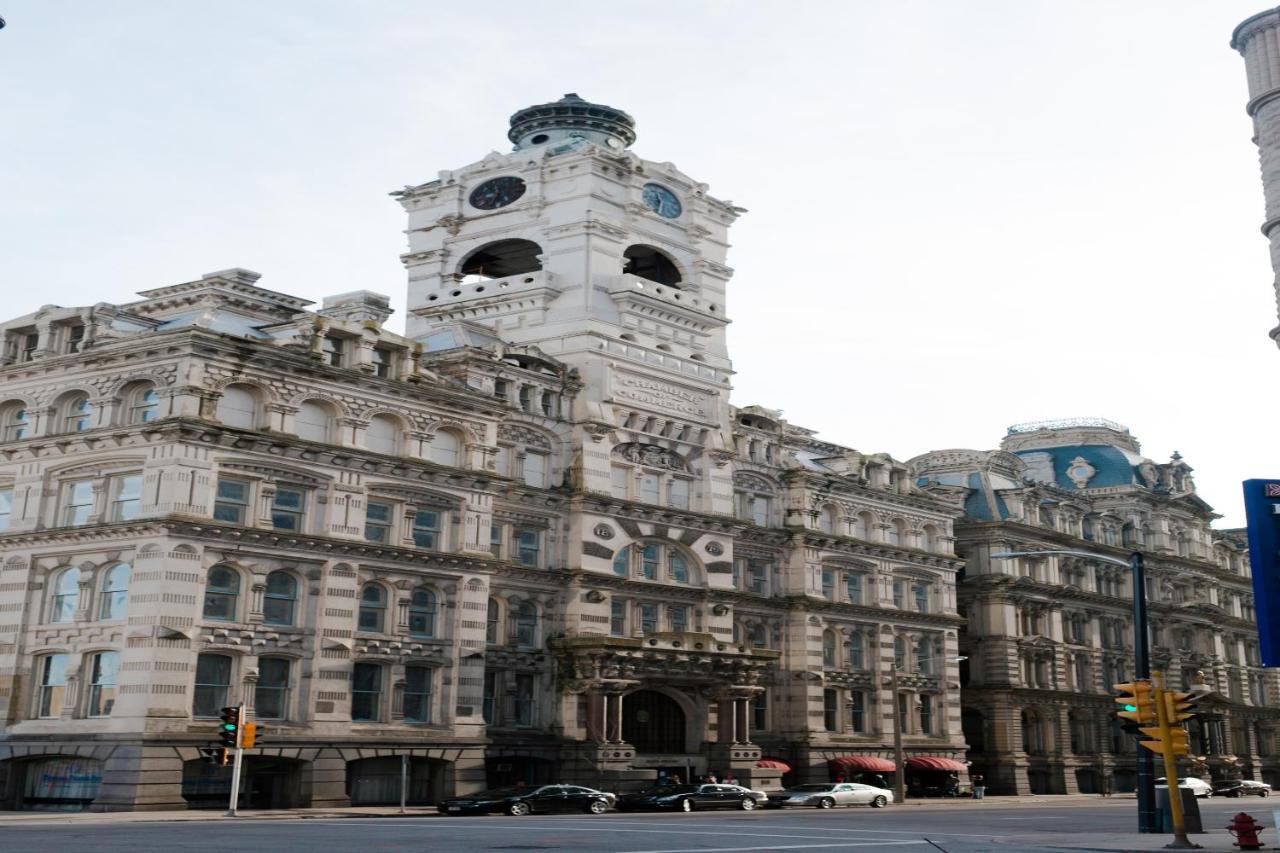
(1245, 829)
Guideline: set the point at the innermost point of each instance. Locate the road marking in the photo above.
(779, 847)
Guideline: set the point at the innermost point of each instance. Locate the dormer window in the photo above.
(75, 338)
(28, 344)
(382, 361)
(334, 350)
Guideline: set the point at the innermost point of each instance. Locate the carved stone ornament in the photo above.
(603, 531)
(1080, 471)
(651, 455)
(715, 549)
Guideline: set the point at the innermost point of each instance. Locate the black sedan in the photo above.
(686, 798)
(1241, 788)
(520, 801)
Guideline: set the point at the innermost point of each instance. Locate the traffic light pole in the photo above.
(1180, 840)
(1144, 760)
(235, 770)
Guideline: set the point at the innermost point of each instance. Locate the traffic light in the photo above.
(1175, 740)
(1178, 706)
(1136, 701)
(215, 755)
(250, 735)
(229, 730)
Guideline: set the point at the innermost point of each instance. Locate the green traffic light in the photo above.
(1131, 707)
(229, 727)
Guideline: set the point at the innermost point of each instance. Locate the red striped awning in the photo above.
(776, 763)
(868, 763)
(935, 762)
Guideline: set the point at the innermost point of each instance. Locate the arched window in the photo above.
(313, 421)
(115, 592)
(77, 414)
(651, 264)
(501, 259)
(895, 533)
(924, 657)
(829, 648)
(622, 562)
(932, 541)
(828, 519)
(280, 598)
(373, 608)
(66, 597)
(493, 621)
(759, 636)
(15, 421)
(446, 448)
(422, 613)
(525, 625)
(864, 527)
(381, 434)
(221, 594)
(899, 653)
(238, 407)
(857, 652)
(144, 405)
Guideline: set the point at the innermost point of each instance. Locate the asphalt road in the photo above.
(955, 828)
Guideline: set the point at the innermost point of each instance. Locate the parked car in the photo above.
(1241, 788)
(828, 796)
(686, 798)
(1199, 786)
(520, 800)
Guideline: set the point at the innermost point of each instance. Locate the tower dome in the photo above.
(571, 117)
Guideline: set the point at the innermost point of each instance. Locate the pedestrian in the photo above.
(840, 777)
(675, 779)
(979, 786)
(711, 778)
(730, 779)
(1106, 785)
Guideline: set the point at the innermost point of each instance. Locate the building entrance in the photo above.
(653, 722)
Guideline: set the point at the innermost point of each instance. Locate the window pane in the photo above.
(527, 546)
(213, 681)
(286, 509)
(270, 698)
(127, 497)
(417, 694)
(680, 493)
(79, 503)
(619, 482)
(366, 692)
(622, 562)
(6, 507)
(426, 529)
(231, 501)
(221, 594)
(104, 675)
(115, 593)
(53, 685)
(535, 470)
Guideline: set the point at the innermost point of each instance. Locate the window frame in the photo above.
(113, 602)
(386, 526)
(268, 595)
(229, 592)
(98, 684)
(119, 501)
(48, 692)
(365, 605)
(375, 694)
(215, 704)
(426, 611)
(424, 534)
(221, 502)
(425, 696)
(281, 690)
(59, 614)
(297, 514)
(69, 512)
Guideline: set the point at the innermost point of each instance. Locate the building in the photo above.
(1047, 637)
(529, 540)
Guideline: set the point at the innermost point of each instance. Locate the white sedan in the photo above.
(828, 796)
(1199, 787)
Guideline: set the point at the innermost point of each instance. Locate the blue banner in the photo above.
(1262, 510)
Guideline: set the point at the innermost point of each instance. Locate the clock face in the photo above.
(662, 201)
(497, 192)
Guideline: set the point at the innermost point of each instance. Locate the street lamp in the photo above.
(899, 778)
(1144, 760)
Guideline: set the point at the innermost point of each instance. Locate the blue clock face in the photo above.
(498, 192)
(662, 201)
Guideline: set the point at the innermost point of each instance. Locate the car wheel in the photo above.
(879, 802)
(686, 805)
(598, 807)
(747, 804)
(826, 803)
(518, 809)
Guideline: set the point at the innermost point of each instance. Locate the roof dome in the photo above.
(571, 117)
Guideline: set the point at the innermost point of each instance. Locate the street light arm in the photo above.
(1067, 552)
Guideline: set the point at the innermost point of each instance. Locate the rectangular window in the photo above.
(53, 685)
(760, 511)
(426, 529)
(760, 712)
(417, 694)
(502, 461)
(75, 338)
(739, 566)
(679, 618)
(495, 540)
(232, 502)
(30, 343)
(853, 588)
(524, 703)
(858, 711)
(382, 362)
(366, 692)
(648, 618)
(899, 594)
(527, 545)
(926, 714)
(126, 497)
(902, 711)
(831, 710)
(377, 522)
(828, 584)
(679, 491)
(489, 704)
(103, 677)
(758, 576)
(6, 508)
(921, 593)
(649, 486)
(535, 470)
(271, 694)
(618, 618)
(213, 685)
(287, 508)
(334, 349)
(78, 503)
(619, 482)
(649, 558)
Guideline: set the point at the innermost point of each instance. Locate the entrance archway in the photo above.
(653, 722)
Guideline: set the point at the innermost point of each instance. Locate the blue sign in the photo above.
(1262, 511)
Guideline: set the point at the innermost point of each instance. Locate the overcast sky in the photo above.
(962, 215)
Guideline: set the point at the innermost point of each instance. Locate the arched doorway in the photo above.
(653, 722)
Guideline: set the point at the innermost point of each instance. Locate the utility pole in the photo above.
(899, 780)
(1144, 761)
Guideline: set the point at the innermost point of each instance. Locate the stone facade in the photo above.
(1047, 637)
(529, 540)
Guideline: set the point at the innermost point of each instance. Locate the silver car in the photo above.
(828, 796)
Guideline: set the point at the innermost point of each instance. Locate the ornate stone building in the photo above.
(531, 539)
(1047, 637)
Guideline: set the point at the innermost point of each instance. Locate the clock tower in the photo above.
(614, 265)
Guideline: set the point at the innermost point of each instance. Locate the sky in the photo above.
(961, 215)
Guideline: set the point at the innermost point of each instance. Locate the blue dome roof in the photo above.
(1111, 465)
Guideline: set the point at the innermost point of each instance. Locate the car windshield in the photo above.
(673, 789)
(808, 789)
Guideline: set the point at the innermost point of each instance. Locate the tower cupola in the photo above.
(571, 118)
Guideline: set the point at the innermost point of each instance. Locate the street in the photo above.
(963, 827)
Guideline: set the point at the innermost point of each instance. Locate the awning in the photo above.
(858, 763)
(777, 763)
(934, 762)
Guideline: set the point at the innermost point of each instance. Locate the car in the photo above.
(828, 796)
(1200, 787)
(686, 798)
(519, 800)
(1241, 788)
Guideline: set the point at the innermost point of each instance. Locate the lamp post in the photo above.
(1144, 759)
(899, 760)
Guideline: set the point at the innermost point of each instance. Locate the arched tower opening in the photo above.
(501, 259)
(651, 264)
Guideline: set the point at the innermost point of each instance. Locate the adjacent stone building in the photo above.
(1047, 637)
(529, 540)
